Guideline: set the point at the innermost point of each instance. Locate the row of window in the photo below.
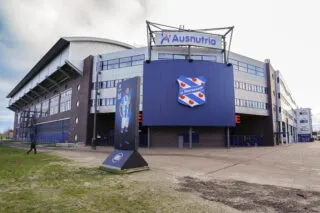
(304, 121)
(107, 84)
(120, 62)
(244, 67)
(65, 100)
(280, 96)
(53, 105)
(286, 113)
(286, 91)
(303, 113)
(251, 104)
(168, 56)
(104, 102)
(250, 87)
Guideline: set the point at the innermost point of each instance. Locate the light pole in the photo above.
(94, 138)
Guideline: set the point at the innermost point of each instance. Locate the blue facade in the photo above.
(161, 92)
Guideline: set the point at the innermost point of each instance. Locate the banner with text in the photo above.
(183, 38)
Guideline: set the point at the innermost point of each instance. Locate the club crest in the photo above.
(191, 91)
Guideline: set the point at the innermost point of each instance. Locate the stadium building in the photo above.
(247, 101)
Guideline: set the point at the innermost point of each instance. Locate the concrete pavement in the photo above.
(294, 165)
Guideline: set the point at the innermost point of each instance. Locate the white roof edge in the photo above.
(96, 39)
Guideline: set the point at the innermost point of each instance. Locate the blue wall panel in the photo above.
(160, 94)
(53, 132)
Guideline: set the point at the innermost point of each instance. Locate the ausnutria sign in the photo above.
(185, 38)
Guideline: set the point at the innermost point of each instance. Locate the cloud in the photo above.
(29, 28)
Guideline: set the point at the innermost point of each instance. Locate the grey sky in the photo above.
(287, 32)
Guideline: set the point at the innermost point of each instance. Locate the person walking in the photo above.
(33, 144)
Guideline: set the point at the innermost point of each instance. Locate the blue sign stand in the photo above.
(125, 156)
(124, 160)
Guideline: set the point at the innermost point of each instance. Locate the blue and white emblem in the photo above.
(191, 91)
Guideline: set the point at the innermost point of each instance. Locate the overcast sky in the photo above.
(286, 32)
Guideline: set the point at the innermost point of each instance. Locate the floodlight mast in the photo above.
(153, 27)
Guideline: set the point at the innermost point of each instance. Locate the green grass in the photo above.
(48, 183)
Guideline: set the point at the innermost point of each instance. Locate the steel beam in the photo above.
(42, 87)
(64, 72)
(30, 97)
(34, 92)
(53, 81)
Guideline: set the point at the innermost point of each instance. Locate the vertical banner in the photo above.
(125, 155)
(127, 112)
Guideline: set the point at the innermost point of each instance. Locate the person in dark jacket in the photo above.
(33, 144)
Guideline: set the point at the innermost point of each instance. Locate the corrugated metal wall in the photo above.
(53, 132)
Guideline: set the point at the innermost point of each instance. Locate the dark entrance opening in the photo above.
(105, 131)
(251, 131)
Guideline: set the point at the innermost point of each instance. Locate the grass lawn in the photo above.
(48, 183)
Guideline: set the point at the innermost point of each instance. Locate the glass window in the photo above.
(254, 89)
(251, 71)
(138, 58)
(104, 65)
(259, 69)
(241, 102)
(45, 108)
(232, 61)
(237, 102)
(210, 58)
(240, 85)
(260, 74)
(243, 69)
(99, 65)
(165, 56)
(54, 105)
(113, 66)
(196, 57)
(125, 62)
(241, 64)
(255, 104)
(247, 87)
(112, 83)
(126, 59)
(65, 101)
(179, 57)
(235, 67)
(38, 110)
(251, 67)
(113, 61)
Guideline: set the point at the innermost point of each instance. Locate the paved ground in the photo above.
(260, 179)
(294, 165)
